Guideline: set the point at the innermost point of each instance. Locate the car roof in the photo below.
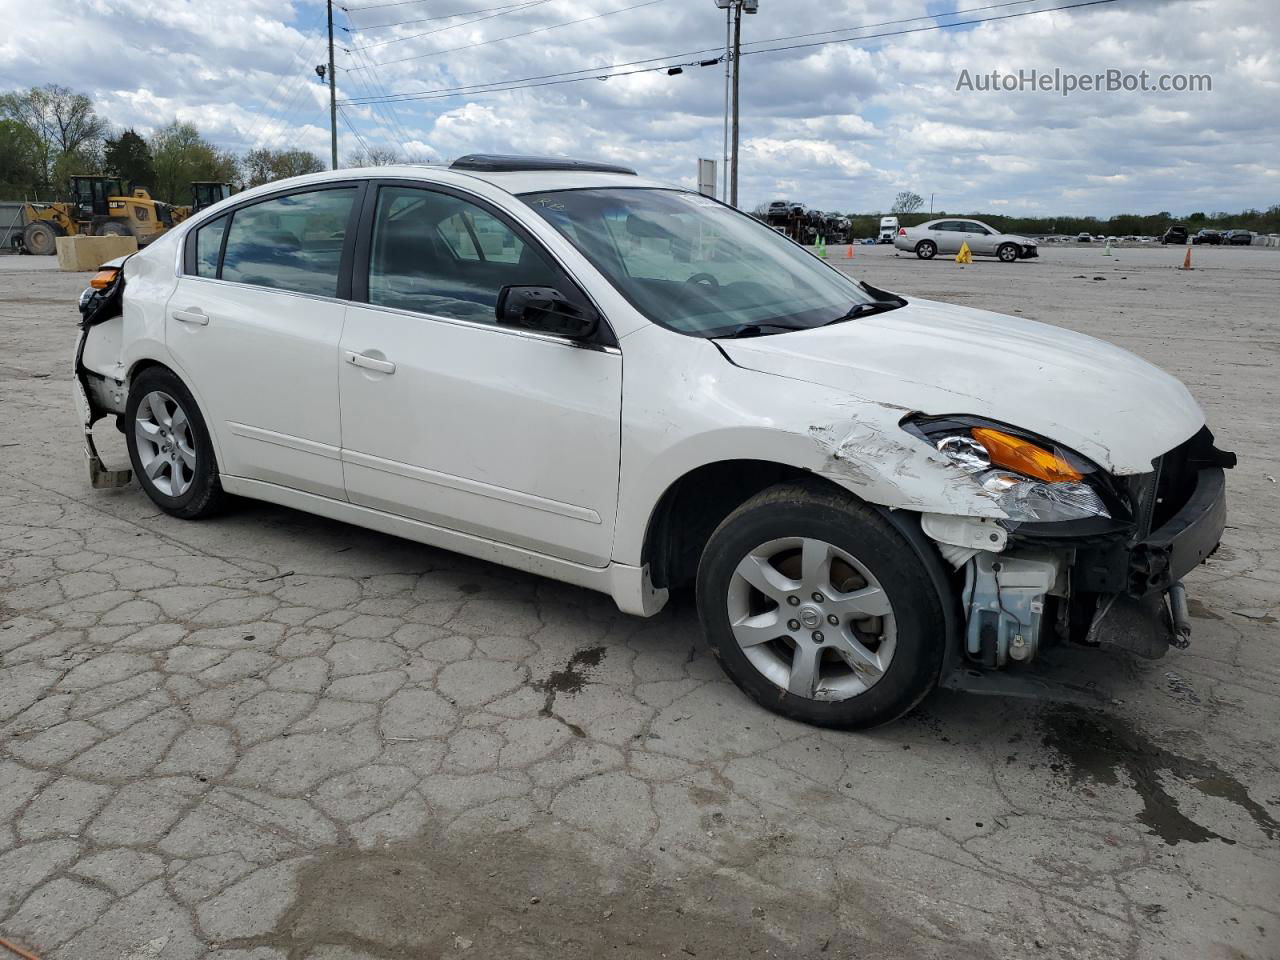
(514, 182)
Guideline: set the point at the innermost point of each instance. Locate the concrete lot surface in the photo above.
(271, 736)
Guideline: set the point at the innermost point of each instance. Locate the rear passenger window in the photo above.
(434, 253)
(290, 243)
(208, 246)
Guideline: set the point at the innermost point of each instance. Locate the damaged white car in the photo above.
(574, 371)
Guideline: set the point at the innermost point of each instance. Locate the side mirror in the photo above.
(546, 310)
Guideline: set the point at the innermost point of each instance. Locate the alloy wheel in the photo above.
(811, 618)
(166, 443)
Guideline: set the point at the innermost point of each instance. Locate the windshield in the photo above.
(697, 266)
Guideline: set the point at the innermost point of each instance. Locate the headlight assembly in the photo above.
(1032, 481)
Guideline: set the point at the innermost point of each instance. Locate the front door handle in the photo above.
(370, 363)
(194, 315)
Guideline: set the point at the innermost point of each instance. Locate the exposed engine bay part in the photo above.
(959, 537)
(1146, 627)
(1005, 605)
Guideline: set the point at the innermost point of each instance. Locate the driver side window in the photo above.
(437, 254)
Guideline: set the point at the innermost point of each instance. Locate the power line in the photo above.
(595, 72)
(453, 26)
(373, 81)
(527, 33)
(274, 113)
(443, 16)
(940, 26)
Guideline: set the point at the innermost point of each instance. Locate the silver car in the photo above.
(950, 234)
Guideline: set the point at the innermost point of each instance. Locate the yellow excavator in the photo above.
(99, 206)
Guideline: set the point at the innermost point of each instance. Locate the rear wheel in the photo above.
(40, 238)
(926, 249)
(819, 609)
(115, 228)
(1008, 252)
(169, 446)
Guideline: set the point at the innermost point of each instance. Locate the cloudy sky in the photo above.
(842, 125)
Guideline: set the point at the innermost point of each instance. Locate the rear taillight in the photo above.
(902, 231)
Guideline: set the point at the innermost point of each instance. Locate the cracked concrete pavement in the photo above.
(273, 737)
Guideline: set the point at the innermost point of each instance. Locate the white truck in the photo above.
(888, 229)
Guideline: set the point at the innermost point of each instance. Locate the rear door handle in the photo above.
(194, 315)
(370, 363)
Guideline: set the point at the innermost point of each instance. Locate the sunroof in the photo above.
(496, 163)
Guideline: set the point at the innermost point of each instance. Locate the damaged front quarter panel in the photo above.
(99, 386)
(883, 464)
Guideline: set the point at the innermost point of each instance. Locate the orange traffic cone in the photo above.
(849, 255)
(1186, 262)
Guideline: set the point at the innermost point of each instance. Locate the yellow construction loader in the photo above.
(204, 193)
(99, 206)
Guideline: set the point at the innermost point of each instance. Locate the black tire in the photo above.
(926, 249)
(1008, 252)
(204, 495)
(802, 510)
(115, 228)
(40, 238)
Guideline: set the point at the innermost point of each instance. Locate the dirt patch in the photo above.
(509, 897)
(1098, 748)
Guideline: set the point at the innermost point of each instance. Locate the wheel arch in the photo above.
(142, 364)
(695, 503)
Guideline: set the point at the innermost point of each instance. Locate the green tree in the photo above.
(263, 165)
(128, 157)
(179, 155)
(21, 170)
(63, 121)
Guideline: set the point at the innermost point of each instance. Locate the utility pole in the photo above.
(733, 52)
(728, 81)
(333, 97)
(737, 53)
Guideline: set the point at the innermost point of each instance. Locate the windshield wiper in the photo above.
(755, 330)
(867, 309)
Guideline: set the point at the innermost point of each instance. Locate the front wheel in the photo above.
(1008, 252)
(819, 609)
(40, 238)
(169, 446)
(926, 249)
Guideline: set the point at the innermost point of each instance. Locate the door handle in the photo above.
(194, 315)
(370, 363)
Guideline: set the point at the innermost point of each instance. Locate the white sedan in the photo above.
(618, 383)
(948, 235)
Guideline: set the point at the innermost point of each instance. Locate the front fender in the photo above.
(709, 411)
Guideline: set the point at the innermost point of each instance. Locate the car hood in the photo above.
(1016, 238)
(938, 359)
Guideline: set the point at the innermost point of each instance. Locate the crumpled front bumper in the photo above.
(1156, 562)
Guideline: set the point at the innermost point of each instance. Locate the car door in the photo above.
(981, 239)
(254, 323)
(946, 235)
(451, 418)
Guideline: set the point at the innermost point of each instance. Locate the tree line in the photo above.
(50, 133)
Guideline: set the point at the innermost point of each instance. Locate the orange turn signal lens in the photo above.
(1025, 457)
(102, 279)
